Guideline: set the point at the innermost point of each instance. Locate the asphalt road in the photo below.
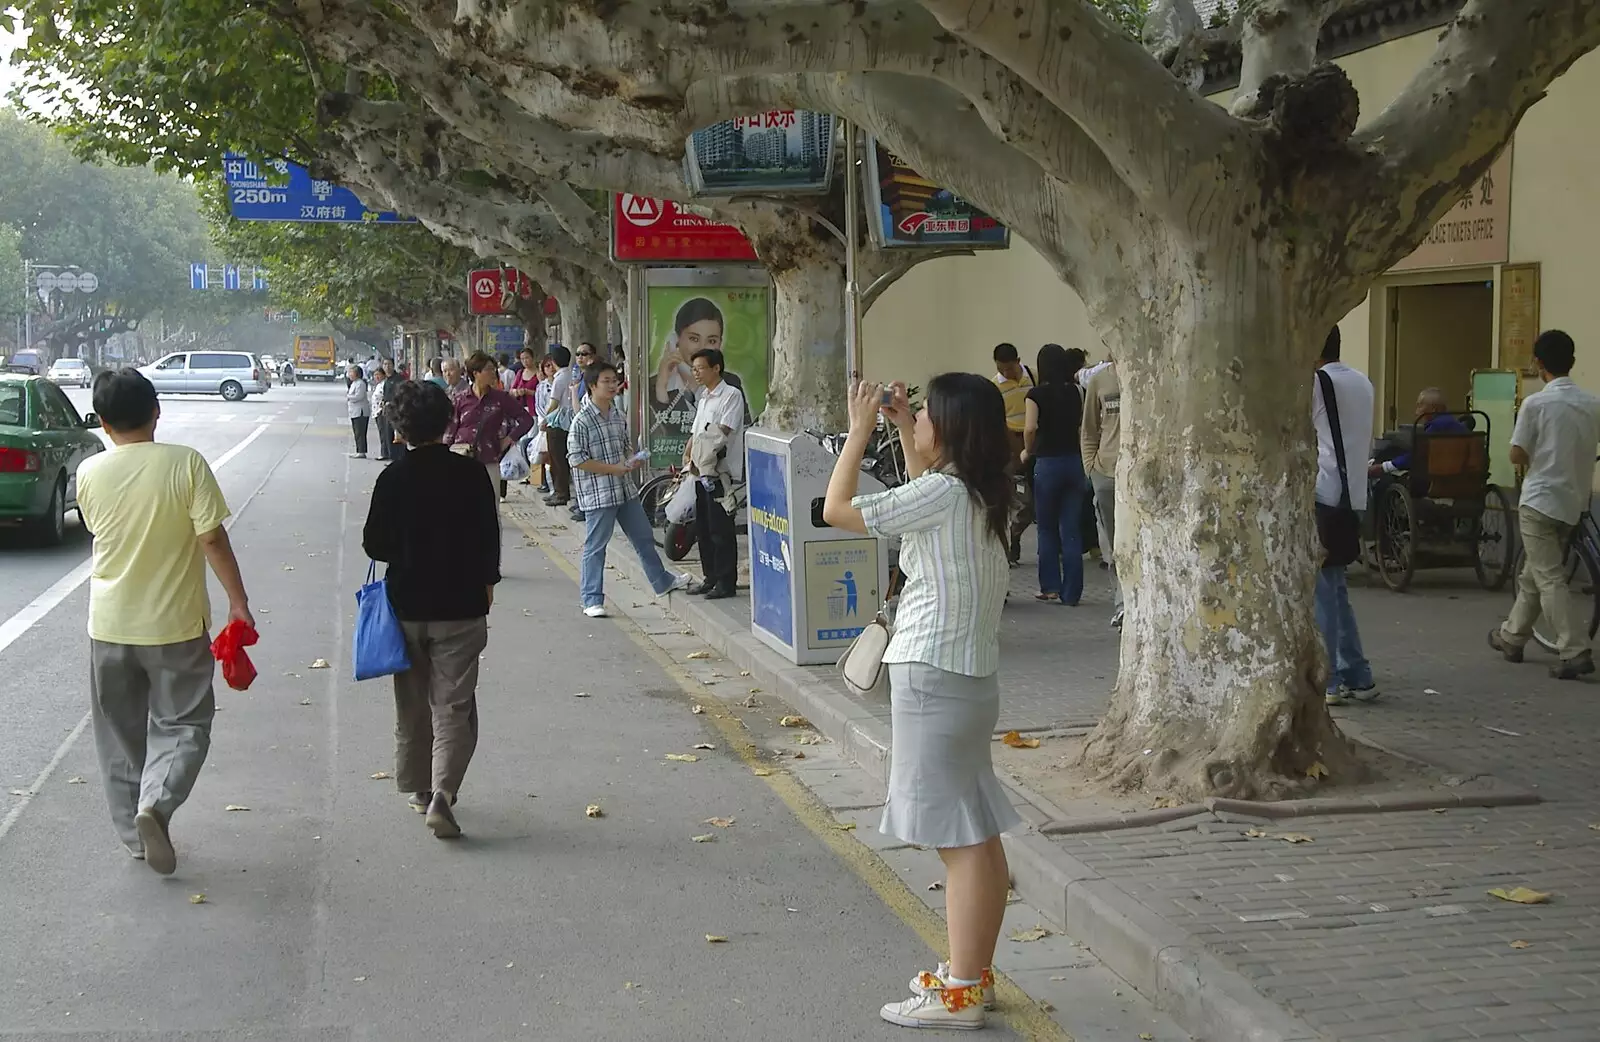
(329, 913)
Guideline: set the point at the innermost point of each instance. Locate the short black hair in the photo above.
(1554, 350)
(562, 356)
(124, 400)
(711, 355)
(419, 411)
(590, 346)
(1006, 353)
(1330, 346)
(591, 375)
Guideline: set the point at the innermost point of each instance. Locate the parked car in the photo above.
(232, 374)
(42, 442)
(65, 371)
(29, 363)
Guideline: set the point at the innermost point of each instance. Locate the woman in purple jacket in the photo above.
(487, 420)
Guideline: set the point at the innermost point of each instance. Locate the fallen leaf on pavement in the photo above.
(794, 721)
(1596, 826)
(683, 757)
(21, 792)
(580, 694)
(288, 567)
(379, 775)
(935, 886)
(1163, 802)
(305, 701)
(707, 838)
(713, 938)
(1317, 770)
(1519, 895)
(699, 654)
(593, 811)
(704, 745)
(1038, 933)
(235, 807)
(1295, 837)
(320, 663)
(721, 823)
(752, 702)
(809, 739)
(76, 781)
(358, 980)
(1016, 741)
(845, 826)
(1255, 834)
(762, 772)
(744, 672)
(1012, 897)
(1519, 945)
(1145, 1036)
(197, 899)
(798, 755)
(697, 709)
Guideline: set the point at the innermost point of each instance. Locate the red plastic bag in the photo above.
(228, 649)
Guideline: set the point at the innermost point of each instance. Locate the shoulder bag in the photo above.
(861, 666)
(1338, 527)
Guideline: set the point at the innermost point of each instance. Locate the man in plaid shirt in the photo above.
(602, 465)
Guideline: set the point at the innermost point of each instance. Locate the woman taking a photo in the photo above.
(943, 662)
(434, 521)
(487, 420)
(1050, 445)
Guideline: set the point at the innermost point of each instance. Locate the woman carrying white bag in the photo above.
(943, 660)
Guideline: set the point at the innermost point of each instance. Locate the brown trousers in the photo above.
(436, 704)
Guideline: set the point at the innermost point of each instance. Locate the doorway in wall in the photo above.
(1438, 334)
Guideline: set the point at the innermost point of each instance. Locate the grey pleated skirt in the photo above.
(942, 788)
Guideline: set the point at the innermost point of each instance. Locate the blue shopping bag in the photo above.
(380, 643)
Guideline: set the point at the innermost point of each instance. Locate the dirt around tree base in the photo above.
(1052, 771)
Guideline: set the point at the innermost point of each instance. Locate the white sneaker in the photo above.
(680, 581)
(597, 611)
(926, 981)
(932, 1009)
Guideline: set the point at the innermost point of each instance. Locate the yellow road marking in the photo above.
(1022, 1013)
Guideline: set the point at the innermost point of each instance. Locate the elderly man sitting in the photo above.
(1433, 417)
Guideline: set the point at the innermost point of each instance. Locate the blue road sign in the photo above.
(258, 282)
(285, 191)
(230, 276)
(197, 276)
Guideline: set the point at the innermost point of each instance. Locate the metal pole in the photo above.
(638, 360)
(27, 305)
(852, 240)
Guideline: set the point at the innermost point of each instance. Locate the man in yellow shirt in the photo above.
(156, 513)
(1015, 380)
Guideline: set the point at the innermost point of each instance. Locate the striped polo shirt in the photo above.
(956, 574)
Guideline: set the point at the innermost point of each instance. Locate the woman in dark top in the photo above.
(487, 421)
(1050, 443)
(435, 521)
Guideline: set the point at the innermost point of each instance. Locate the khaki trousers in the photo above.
(436, 704)
(1543, 585)
(152, 708)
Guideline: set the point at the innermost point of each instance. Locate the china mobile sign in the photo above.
(645, 230)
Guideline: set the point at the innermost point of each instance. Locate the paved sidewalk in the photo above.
(1380, 927)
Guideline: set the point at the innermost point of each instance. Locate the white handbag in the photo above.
(861, 666)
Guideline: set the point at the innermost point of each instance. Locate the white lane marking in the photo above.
(43, 605)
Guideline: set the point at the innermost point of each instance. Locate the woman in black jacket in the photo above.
(435, 520)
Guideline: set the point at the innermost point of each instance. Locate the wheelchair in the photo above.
(1443, 512)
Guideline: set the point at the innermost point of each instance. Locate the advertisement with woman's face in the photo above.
(684, 320)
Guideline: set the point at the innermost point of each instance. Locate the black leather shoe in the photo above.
(703, 588)
(554, 501)
(722, 593)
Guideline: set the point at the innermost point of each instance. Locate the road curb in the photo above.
(1208, 999)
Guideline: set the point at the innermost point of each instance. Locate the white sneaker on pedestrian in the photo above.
(680, 581)
(158, 852)
(944, 1007)
(926, 981)
(597, 611)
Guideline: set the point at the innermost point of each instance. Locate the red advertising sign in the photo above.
(487, 288)
(645, 229)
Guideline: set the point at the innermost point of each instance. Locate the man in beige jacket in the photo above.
(1102, 429)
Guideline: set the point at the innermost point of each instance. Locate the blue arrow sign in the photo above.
(230, 276)
(197, 276)
(285, 191)
(258, 282)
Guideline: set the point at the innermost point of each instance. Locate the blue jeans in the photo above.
(1347, 663)
(599, 523)
(1058, 488)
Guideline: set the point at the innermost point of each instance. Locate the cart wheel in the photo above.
(1496, 554)
(1397, 517)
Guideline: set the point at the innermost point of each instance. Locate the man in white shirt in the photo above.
(1557, 433)
(1349, 673)
(719, 405)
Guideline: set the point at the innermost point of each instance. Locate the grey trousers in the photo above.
(436, 704)
(152, 708)
(1105, 508)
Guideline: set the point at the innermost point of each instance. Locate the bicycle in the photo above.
(1582, 565)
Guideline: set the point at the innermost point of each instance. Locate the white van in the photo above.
(232, 374)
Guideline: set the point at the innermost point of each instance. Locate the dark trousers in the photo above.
(719, 547)
(358, 426)
(1022, 509)
(560, 469)
(385, 437)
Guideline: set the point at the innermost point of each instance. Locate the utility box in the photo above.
(813, 588)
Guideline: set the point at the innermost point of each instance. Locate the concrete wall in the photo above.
(949, 314)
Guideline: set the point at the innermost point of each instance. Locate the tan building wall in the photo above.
(949, 314)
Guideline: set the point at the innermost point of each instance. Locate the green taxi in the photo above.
(42, 442)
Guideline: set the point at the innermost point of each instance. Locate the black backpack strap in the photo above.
(1330, 401)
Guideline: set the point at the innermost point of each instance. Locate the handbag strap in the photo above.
(372, 572)
(1330, 402)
